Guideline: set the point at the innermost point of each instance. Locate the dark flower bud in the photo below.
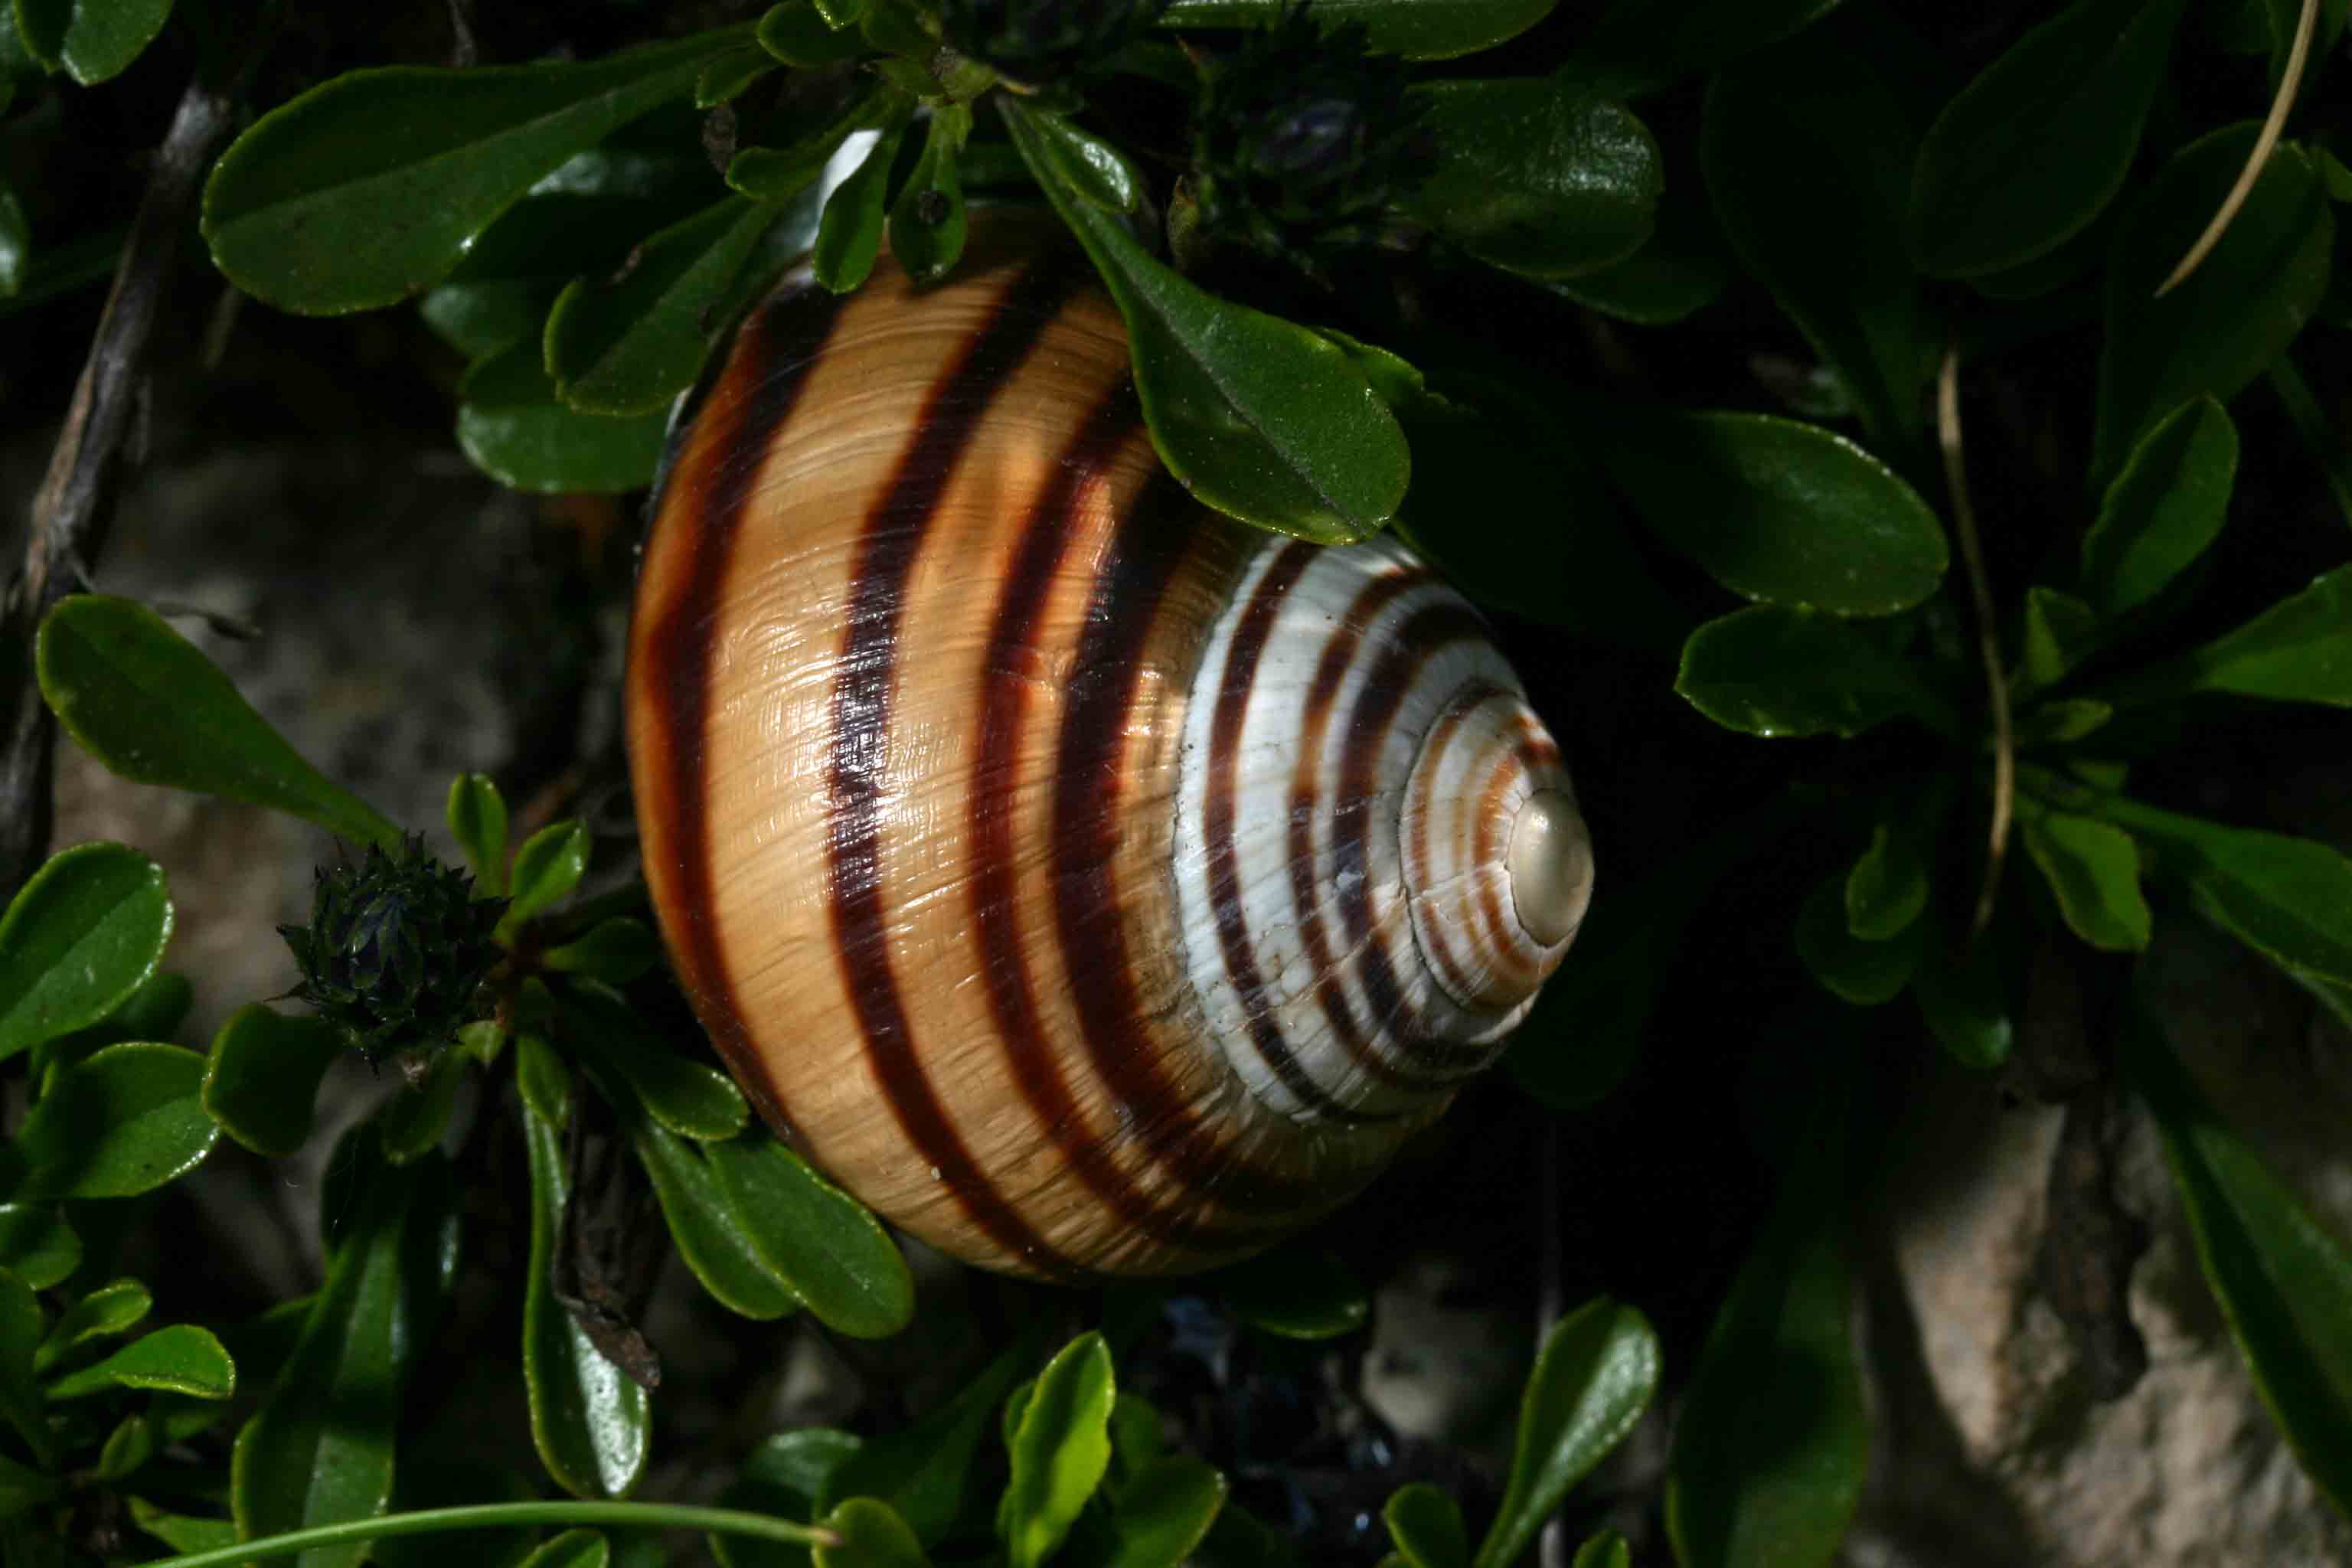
(395, 950)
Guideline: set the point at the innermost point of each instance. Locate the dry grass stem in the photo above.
(2289, 79)
(1964, 522)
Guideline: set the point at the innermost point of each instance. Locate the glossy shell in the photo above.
(1088, 883)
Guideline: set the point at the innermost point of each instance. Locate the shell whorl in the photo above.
(939, 689)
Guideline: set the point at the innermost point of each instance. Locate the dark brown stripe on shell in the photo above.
(1133, 578)
(773, 353)
(1217, 818)
(1434, 945)
(887, 548)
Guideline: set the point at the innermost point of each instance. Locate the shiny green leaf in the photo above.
(92, 39)
(1535, 174)
(544, 1078)
(1606, 1550)
(849, 235)
(592, 1424)
(631, 344)
(731, 74)
(320, 1448)
(515, 428)
(144, 701)
(712, 1234)
(780, 174)
(1259, 418)
(572, 1548)
(152, 1012)
(1680, 270)
(2030, 151)
(183, 1532)
(37, 1244)
(130, 1444)
(796, 35)
(1592, 1378)
(2094, 869)
(1295, 1293)
(84, 932)
(123, 1121)
(1862, 972)
(2299, 650)
(110, 1310)
(2060, 632)
(546, 869)
(783, 1478)
(1164, 1510)
(1807, 153)
(870, 1534)
(1781, 672)
(1773, 1438)
(1059, 1451)
(370, 186)
(835, 1255)
(2235, 313)
(1887, 888)
(180, 1359)
(1084, 164)
(924, 1470)
(261, 1082)
(683, 1095)
(2284, 1281)
(21, 1331)
(1779, 511)
(478, 821)
(413, 1122)
(2288, 898)
(1642, 44)
(926, 220)
(1417, 29)
(615, 951)
(1427, 1526)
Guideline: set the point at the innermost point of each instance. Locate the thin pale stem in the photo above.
(505, 1515)
(2297, 53)
(1964, 523)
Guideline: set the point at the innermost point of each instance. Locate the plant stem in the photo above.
(2298, 51)
(1964, 523)
(497, 1515)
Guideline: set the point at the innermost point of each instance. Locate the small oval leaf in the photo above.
(2162, 510)
(1060, 1451)
(836, 1256)
(261, 1082)
(80, 938)
(1781, 672)
(124, 1122)
(181, 1359)
(1593, 1378)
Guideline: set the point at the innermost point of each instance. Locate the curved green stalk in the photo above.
(490, 1516)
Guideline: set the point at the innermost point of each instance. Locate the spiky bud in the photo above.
(1302, 141)
(1039, 41)
(395, 950)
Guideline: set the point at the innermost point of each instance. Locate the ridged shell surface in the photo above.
(1087, 882)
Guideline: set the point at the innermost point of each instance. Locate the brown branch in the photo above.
(2297, 53)
(1964, 523)
(72, 507)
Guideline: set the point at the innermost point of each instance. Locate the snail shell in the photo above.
(1088, 882)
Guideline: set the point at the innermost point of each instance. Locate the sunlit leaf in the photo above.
(82, 935)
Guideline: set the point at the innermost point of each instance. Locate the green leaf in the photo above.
(1680, 270)
(1084, 164)
(1962, 995)
(2060, 632)
(183, 1532)
(1888, 889)
(37, 1244)
(1259, 418)
(320, 1450)
(1536, 175)
(1295, 1293)
(572, 1548)
(2235, 313)
(927, 221)
(110, 1310)
(261, 1082)
(513, 426)
(1417, 29)
(2063, 721)
(2288, 898)
(1862, 972)
(130, 1444)
(144, 701)
(687, 1098)
(592, 1426)
(544, 1078)
(2030, 151)
(1059, 1452)
(731, 74)
(1164, 1511)
(1807, 150)
(1781, 672)
(92, 39)
(20, 1399)
(181, 1359)
(2284, 1281)
(615, 951)
(1773, 1438)
(712, 1234)
(796, 35)
(1427, 1526)
(15, 233)
(1779, 511)
(2093, 868)
(870, 1535)
(783, 174)
(1606, 1550)
(2299, 650)
(835, 1255)
(849, 235)
(1642, 44)
(546, 869)
(22, 1490)
(413, 1121)
(84, 932)
(923, 1470)
(478, 821)
(784, 1477)
(632, 344)
(368, 187)
(1593, 1378)
(124, 1122)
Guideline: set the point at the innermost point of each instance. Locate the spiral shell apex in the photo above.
(1088, 883)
